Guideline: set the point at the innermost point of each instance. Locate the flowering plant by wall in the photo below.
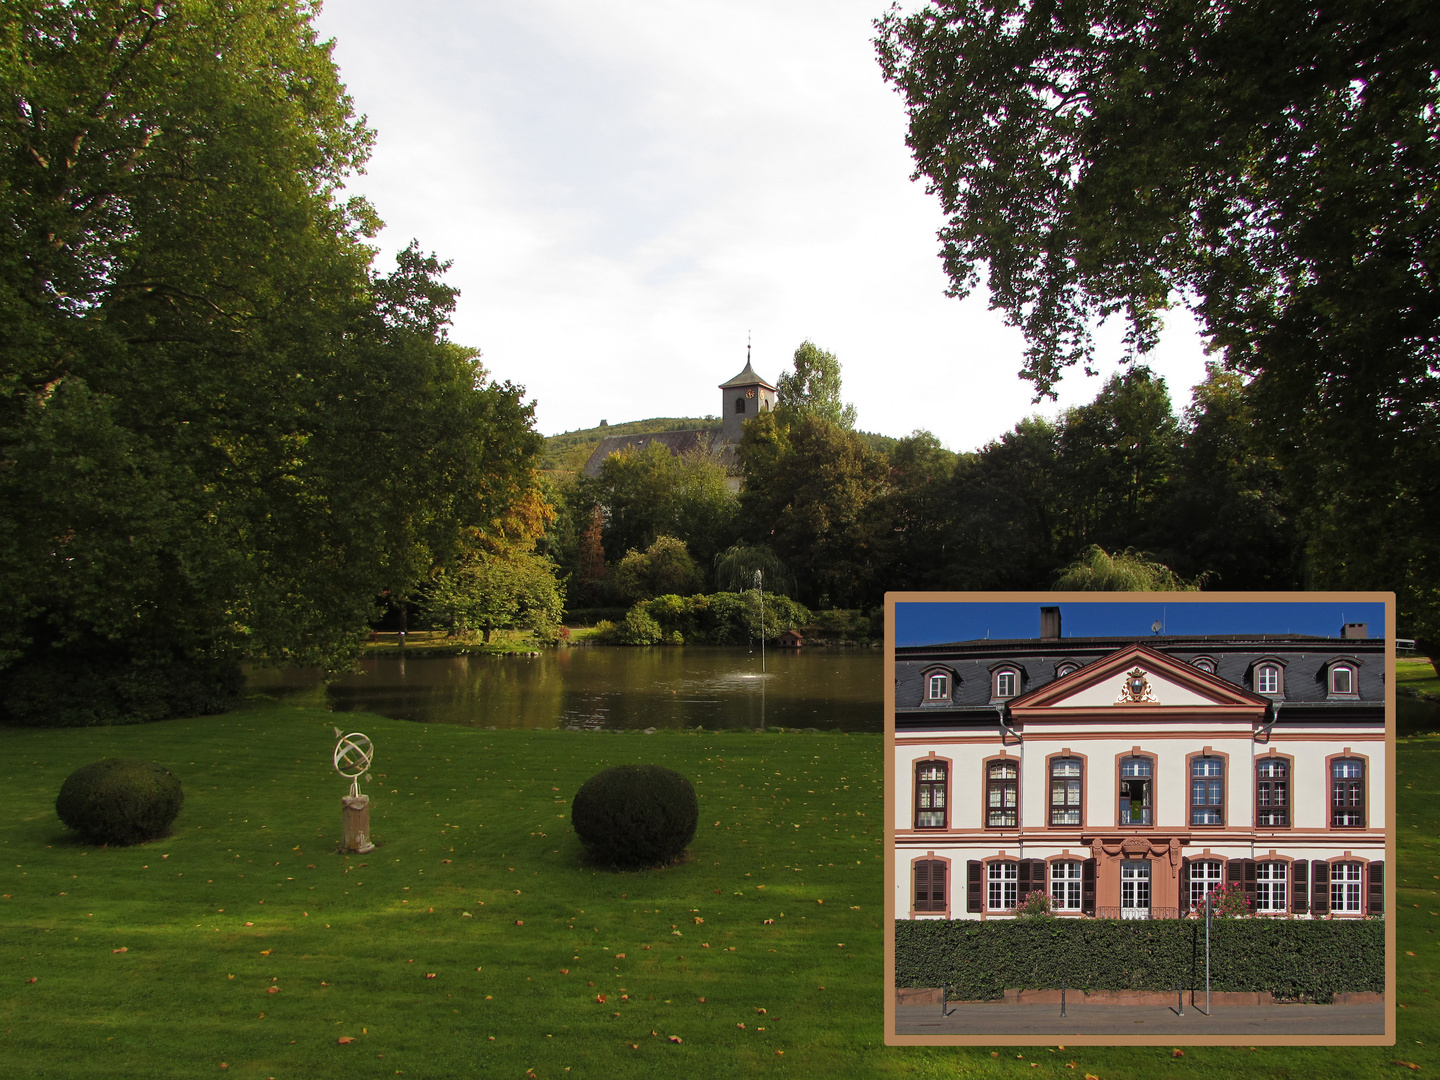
(1036, 904)
(1230, 901)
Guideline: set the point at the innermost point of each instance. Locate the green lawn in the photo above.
(479, 882)
(1417, 675)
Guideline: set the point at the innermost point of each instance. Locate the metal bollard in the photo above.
(1062, 999)
(1180, 997)
(942, 999)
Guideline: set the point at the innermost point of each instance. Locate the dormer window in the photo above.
(1343, 680)
(1007, 683)
(937, 686)
(1066, 668)
(1205, 664)
(1268, 677)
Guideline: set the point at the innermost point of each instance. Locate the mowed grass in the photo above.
(1417, 674)
(478, 822)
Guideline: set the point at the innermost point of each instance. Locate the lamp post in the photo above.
(760, 589)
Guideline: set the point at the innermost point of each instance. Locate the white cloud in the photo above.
(627, 189)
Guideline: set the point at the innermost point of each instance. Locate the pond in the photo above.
(600, 688)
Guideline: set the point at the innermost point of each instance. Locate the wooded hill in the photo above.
(569, 451)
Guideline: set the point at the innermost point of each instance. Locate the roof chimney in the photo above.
(1049, 624)
(1355, 630)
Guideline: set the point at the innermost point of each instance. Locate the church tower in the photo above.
(743, 398)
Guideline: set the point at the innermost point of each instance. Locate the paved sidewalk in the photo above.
(1044, 1021)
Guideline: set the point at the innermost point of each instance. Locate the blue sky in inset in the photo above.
(928, 623)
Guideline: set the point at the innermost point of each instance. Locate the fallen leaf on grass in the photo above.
(1407, 1064)
(249, 924)
(32, 979)
(563, 971)
(740, 1025)
(266, 952)
(121, 949)
(760, 1011)
(769, 922)
(634, 1046)
(273, 990)
(676, 1039)
(600, 999)
(619, 956)
(430, 974)
(1178, 1053)
(519, 922)
(345, 1039)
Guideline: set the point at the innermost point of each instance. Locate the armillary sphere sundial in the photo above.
(353, 754)
(352, 757)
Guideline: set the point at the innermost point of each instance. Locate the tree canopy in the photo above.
(222, 432)
(813, 388)
(1272, 166)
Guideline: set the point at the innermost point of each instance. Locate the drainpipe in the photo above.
(1005, 729)
(1254, 825)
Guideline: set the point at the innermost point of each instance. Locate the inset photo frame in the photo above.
(1140, 818)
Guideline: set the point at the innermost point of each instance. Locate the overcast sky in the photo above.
(627, 189)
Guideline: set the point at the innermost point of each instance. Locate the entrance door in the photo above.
(1135, 889)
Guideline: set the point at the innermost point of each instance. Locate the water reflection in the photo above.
(608, 688)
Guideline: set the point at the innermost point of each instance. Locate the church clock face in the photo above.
(750, 392)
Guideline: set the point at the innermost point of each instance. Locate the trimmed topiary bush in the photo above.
(120, 801)
(633, 816)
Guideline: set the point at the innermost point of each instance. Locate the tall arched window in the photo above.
(1137, 791)
(1002, 794)
(1272, 791)
(1207, 791)
(930, 783)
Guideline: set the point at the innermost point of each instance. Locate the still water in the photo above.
(596, 688)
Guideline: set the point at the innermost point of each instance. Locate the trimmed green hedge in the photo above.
(979, 960)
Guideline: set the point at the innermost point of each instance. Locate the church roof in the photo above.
(746, 378)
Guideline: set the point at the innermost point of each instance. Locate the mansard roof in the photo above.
(1305, 657)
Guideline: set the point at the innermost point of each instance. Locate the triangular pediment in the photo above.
(1138, 677)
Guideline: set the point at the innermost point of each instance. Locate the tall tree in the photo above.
(1272, 164)
(221, 432)
(808, 486)
(813, 388)
(650, 493)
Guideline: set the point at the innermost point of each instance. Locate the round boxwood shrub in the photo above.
(632, 816)
(120, 801)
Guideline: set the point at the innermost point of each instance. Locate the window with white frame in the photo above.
(1267, 679)
(1272, 792)
(1347, 793)
(1342, 681)
(1006, 683)
(1004, 882)
(1205, 664)
(1065, 789)
(1205, 876)
(1270, 886)
(1002, 794)
(1137, 792)
(1066, 668)
(1207, 791)
(1065, 885)
(1346, 879)
(937, 687)
(930, 777)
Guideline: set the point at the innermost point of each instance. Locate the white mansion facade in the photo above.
(1126, 778)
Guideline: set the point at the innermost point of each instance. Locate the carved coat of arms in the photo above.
(1136, 690)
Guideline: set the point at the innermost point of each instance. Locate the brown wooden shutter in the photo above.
(1039, 875)
(975, 882)
(938, 870)
(1022, 874)
(922, 886)
(1299, 887)
(1319, 888)
(1087, 887)
(1235, 873)
(1250, 882)
(1376, 890)
(1184, 884)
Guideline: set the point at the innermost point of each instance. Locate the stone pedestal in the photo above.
(356, 818)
